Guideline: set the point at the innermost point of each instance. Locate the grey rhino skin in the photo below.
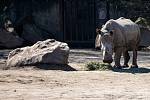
(125, 36)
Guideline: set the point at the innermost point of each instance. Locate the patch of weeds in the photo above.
(91, 66)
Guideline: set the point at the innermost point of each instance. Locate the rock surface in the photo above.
(49, 51)
(36, 20)
(145, 31)
(32, 34)
(9, 39)
(145, 37)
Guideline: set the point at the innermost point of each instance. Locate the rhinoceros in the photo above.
(120, 36)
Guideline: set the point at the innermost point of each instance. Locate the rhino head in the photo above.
(107, 46)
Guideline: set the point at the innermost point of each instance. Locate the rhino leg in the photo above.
(118, 53)
(126, 58)
(134, 61)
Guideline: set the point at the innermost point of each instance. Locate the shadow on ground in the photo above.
(132, 70)
(40, 67)
(55, 67)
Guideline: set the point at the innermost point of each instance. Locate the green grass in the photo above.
(91, 66)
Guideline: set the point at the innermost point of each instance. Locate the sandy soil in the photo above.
(73, 83)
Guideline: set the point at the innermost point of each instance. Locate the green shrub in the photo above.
(98, 66)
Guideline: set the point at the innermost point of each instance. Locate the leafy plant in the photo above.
(98, 66)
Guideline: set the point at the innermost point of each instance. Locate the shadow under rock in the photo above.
(55, 67)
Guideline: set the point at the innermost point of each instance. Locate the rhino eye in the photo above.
(111, 33)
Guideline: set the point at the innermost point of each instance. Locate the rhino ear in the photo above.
(98, 31)
(112, 32)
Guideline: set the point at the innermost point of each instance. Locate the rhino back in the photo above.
(129, 31)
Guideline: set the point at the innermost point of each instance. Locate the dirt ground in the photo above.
(72, 82)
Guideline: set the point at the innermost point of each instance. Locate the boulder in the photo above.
(9, 39)
(36, 20)
(32, 34)
(43, 52)
(145, 37)
(144, 25)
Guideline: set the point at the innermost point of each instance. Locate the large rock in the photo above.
(145, 31)
(145, 37)
(36, 20)
(32, 34)
(49, 52)
(9, 39)
(142, 22)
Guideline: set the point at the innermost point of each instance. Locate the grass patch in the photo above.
(91, 66)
